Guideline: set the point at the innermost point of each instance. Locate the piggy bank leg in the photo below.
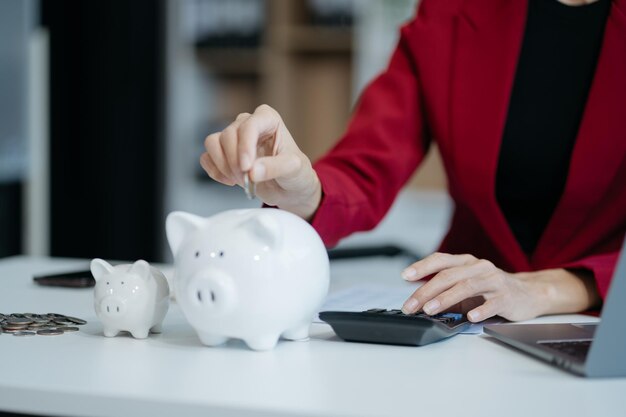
(110, 332)
(211, 339)
(157, 328)
(300, 332)
(139, 333)
(262, 343)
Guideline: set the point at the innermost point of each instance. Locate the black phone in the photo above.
(74, 279)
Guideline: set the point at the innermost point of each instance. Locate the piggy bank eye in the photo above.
(122, 282)
(197, 254)
(221, 254)
(107, 282)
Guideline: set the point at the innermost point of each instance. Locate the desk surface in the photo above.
(86, 374)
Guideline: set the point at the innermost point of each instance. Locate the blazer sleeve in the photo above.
(602, 266)
(383, 145)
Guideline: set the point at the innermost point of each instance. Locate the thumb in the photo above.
(273, 167)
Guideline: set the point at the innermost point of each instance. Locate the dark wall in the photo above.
(106, 101)
(10, 218)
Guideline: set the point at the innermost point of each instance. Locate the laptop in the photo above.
(587, 349)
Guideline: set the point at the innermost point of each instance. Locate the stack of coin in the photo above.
(30, 324)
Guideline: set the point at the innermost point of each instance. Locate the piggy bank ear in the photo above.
(100, 268)
(178, 225)
(266, 228)
(141, 268)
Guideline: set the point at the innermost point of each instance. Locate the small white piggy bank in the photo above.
(254, 274)
(130, 297)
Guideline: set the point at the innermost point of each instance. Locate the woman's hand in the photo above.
(260, 144)
(480, 289)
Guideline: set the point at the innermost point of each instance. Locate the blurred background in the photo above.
(104, 107)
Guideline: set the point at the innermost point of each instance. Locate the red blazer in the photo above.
(449, 81)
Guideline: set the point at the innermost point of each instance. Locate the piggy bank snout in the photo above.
(212, 292)
(113, 306)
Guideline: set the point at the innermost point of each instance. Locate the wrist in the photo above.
(539, 290)
(307, 204)
(561, 291)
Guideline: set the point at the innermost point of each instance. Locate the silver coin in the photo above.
(14, 326)
(76, 320)
(24, 333)
(16, 320)
(50, 332)
(249, 186)
(67, 329)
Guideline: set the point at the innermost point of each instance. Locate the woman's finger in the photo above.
(228, 142)
(490, 308)
(445, 280)
(462, 290)
(273, 167)
(214, 149)
(229, 139)
(433, 264)
(209, 166)
(264, 122)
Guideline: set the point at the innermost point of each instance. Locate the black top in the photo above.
(554, 73)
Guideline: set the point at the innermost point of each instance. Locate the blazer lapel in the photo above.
(600, 146)
(487, 47)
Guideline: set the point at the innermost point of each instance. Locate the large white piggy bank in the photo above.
(130, 297)
(254, 274)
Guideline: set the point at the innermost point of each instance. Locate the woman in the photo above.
(526, 101)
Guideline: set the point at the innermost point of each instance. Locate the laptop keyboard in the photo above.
(574, 348)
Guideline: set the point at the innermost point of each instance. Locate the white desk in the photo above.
(172, 374)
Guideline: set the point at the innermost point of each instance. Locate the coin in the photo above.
(76, 320)
(15, 320)
(249, 186)
(13, 330)
(66, 329)
(8, 326)
(49, 332)
(24, 333)
(31, 324)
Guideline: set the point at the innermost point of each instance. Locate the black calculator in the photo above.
(393, 327)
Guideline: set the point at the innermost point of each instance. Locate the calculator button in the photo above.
(453, 316)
